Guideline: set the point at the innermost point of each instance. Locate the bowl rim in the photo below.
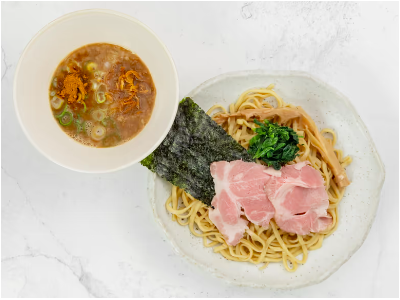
(328, 273)
(71, 15)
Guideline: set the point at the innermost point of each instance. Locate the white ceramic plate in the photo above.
(42, 56)
(357, 210)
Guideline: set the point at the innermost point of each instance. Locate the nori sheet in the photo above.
(193, 143)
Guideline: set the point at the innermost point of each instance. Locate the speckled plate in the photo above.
(329, 108)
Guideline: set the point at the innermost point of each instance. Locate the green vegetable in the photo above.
(79, 125)
(275, 145)
(98, 114)
(107, 121)
(90, 66)
(84, 106)
(98, 132)
(66, 117)
(63, 112)
(193, 143)
(56, 102)
(100, 96)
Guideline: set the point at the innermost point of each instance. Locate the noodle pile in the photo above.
(260, 245)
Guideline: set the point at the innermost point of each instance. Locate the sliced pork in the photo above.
(239, 188)
(299, 199)
(226, 216)
(295, 197)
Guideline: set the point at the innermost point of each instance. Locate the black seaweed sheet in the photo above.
(193, 143)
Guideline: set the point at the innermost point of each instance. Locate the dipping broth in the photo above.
(102, 95)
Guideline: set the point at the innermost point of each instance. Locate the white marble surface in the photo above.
(66, 234)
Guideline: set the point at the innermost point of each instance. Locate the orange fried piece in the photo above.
(73, 86)
(125, 82)
(128, 78)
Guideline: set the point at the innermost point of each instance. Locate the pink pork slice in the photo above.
(299, 199)
(240, 185)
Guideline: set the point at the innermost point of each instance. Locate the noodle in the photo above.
(260, 245)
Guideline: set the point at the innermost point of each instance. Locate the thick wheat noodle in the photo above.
(260, 245)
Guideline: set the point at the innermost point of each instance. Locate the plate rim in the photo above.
(328, 273)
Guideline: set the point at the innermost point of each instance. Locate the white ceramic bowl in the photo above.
(328, 108)
(39, 61)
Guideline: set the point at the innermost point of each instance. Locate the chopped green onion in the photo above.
(63, 112)
(100, 97)
(98, 115)
(79, 124)
(90, 66)
(98, 132)
(100, 93)
(107, 121)
(66, 119)
(56, 102)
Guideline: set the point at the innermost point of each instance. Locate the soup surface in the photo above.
(102, 95)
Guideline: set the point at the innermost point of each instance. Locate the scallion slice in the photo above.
(66, 119)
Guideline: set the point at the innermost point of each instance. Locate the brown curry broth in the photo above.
(109, 59)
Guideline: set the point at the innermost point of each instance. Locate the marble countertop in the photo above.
(66, 234)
